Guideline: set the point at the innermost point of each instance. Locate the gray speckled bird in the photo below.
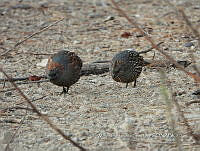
(126, 66)
(63, 69)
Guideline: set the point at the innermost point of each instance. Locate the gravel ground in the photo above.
(99, 113)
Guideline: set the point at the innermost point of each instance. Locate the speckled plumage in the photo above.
(126, 66)
(63, 69)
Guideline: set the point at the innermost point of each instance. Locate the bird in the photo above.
(126, 66)
(63, 69)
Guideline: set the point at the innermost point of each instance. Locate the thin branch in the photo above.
(192, 102)
(150, 49)
(38, 54)
(190, 131)
(169, 103)
(45, 118)
(173, 100)
(185, 18)
(180, 12)
(28, 82)
(20, 79)
(30, 36)
(189, 24)
(195, 66)
(13, 106)
(148, 38)
(31, 101)
(13, 136)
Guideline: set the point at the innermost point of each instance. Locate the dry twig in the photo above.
(190, 131)
(169, 104)
(44, 117)
(192, 102)
(30, 36)
(173, 100)
(180, 12)
(13, 136)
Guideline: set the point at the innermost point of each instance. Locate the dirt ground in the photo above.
(99, 113)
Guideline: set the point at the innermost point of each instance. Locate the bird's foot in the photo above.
(64, 91)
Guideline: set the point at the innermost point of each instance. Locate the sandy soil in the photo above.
(99, 113)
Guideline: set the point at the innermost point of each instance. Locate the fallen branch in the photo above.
(96, 69)
(86, 70)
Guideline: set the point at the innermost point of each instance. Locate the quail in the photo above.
(63, 69)
(126, 66)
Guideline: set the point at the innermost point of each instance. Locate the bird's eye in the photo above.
(52, 75)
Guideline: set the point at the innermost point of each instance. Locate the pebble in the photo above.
(42, 63)
(76, 42)
(8, 93)
(22, 6)
(189, 44)
(109, 18)
(1, 75)
(197, 92)
(95, 15)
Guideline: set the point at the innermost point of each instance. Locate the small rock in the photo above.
(129, 122)
(95, 15)
(1, 75)
(189, 44)
(22, 6)
(183, 63)
(137, 15)
(76, 42)
(42, 63)
(109, 18)
(179, 93)
(197, 92)
(8, 93)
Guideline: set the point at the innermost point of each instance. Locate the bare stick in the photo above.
(185, 18)
(13, 136)
(28, 82)
(45, 118)
(148, 38)
(173, 100)
(38, 54)
(196, 137)
(180, 12)
(150, 49)
(192, 102)
(169, 104)
(20, 79)
(18, 103)
(189, 24)
(30, 36)
(95, 69)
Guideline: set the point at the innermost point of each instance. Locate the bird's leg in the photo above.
(67, 89)
(64, 91)
(135, 83)
(126, 85)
